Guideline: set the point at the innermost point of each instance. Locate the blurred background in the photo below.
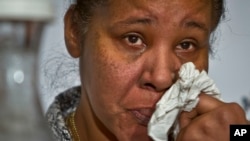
(229, 65)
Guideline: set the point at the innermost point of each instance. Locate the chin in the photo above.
(135, 133)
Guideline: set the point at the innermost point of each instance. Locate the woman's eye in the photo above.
(134, 40)
(186, 46)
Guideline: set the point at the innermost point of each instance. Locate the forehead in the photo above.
(161, 5)
(159, 10)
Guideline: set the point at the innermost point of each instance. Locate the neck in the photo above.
(88, 125)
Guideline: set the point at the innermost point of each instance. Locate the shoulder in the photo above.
(64, 104)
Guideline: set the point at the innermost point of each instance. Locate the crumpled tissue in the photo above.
(182, 96)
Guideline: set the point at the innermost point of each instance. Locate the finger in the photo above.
(186, 117)
(207, 103)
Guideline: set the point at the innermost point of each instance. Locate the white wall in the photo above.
(52, 51)
(230, 67)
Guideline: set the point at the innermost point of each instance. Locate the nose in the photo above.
(160, 71)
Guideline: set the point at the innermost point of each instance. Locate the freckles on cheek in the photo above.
(114, 81)
(109, 75)
(114, 78)
(108, 78)
(113, 70)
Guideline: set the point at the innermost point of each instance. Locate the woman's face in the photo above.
(132, 53)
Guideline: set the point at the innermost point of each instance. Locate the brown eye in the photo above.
(186, 46)
(186, 49)
(134, 40)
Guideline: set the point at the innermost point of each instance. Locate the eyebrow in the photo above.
(195, 24)
(151, 19)
(135, 20)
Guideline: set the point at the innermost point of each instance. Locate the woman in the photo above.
(130, 52)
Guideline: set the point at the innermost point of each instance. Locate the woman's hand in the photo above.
(210, 120)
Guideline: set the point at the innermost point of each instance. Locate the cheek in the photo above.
(113, 79)
(201, 62)
(106, 74)
(107, 78)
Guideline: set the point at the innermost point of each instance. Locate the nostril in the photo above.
(150, 86)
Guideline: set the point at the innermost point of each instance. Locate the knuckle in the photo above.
(236, 108)
(194, 133)
(230, 113)
(189, 136)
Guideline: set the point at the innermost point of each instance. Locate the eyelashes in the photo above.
(134, 40)
(186, 46)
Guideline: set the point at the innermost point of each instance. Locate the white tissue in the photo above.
(183, 95)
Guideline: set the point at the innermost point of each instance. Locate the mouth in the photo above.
(142, 115)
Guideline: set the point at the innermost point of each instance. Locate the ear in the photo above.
(71, 33)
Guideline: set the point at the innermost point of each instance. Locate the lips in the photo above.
(142, 115)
